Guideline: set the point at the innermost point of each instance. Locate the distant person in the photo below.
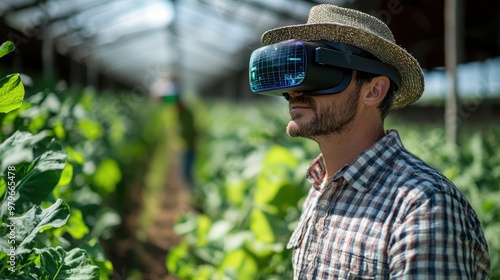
(374, 210)
(165, 89)
(188, 133)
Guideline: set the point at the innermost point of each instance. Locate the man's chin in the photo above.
(293, 129)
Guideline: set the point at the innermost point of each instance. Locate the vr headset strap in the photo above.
(345, 60)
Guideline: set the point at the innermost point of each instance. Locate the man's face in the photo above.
(313, 116)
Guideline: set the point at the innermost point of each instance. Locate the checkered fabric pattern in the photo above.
(387, 215)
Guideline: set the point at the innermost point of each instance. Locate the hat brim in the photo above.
(412, 78)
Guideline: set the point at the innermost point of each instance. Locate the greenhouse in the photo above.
(135, 146)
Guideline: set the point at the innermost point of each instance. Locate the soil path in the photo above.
(173, 200)
(133, 257)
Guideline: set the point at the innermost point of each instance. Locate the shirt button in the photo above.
(317, 226)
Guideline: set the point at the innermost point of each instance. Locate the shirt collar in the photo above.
(316, 172)
(364, 168)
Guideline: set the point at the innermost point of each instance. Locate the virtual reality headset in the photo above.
(313, 68)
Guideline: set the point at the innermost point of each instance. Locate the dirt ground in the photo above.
(133, 257)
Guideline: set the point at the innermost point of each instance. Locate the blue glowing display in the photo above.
(278, 66)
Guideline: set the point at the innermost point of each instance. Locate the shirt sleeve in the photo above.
(439, 238)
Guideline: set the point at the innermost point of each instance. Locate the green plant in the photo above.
(76, 155)
(250, 187)
(30, 168)
(11, 87)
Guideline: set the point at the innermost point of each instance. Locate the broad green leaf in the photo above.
(51, 103)
(242, 263)
(11, 93)
(237, 240)
(66, 175)
(10, 122)
(3, 257)
(37, 163)
(88, 99)
(75, 226)
(260, 226)
(187, 223)
(58, 264)
(218, 229)
(202, 229)
(107, 176)
(98, 257)
(236, 191)
(38, 122)
(107, 220)
(179, 262)
(59, 130)
(3, 187)
(95, 250)
(287, 196)
(204, 272)
(86, 196)
(274, 174)
(92, 130)
(6, 48)
(488, 204)
(74, 155)
(117, 129)
(18, 148)
(5, 246)
(106, 269)
(38, 178)
(36, 220)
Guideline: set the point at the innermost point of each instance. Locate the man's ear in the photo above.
(377, 90)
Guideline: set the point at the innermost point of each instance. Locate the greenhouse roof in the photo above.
(206, 42)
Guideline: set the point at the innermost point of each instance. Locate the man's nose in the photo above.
(290, 94)
(294, 93)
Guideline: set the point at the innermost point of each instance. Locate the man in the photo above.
(374, 211)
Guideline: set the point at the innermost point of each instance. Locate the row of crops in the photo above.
(66, 159)
(251, 185)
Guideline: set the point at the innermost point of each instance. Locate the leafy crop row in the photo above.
(251, 185)
(64, 159)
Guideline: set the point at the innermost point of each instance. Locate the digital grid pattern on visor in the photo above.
(319, 67)
(281, 66)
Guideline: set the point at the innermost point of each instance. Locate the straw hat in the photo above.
(333, 23)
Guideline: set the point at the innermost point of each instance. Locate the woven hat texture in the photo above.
(334, 23)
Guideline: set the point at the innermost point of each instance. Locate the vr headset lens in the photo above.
(279, 66)
(310, 67)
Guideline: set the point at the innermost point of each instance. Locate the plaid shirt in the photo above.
(387, 215)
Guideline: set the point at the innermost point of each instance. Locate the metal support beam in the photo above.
(48, 56)
(453, 48)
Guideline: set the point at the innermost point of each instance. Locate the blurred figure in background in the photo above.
(167, 91)
(188, 133)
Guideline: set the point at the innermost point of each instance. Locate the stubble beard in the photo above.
(332, 119)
